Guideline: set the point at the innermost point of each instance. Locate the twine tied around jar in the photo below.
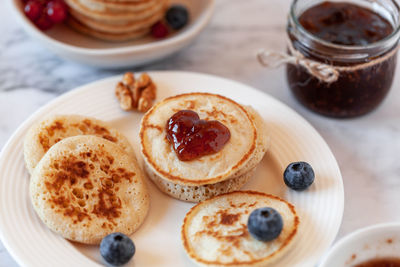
(323, 72)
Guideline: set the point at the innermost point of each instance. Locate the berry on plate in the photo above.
(57, 11)
(44, 22)
(45, 13)
(159, 30)
(117, 249)
(177, 16)
(265, 224)
(33, 9)
(299, 175)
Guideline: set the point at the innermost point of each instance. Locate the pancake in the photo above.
(42, 135)
(113, 28)
(210, 169)
(262, 142)
(122, 16)
(214, 232)
(199, 192)
(117, 6)
(111, 37)
(86, 187)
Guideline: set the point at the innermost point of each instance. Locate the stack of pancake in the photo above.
(115, 20)
(199, 179)
(85, 180)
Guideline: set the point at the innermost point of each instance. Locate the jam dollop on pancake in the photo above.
(192, 137)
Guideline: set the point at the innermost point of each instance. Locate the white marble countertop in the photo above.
(366, 148)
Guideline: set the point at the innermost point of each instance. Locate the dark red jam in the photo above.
(192, 137)
(357, 91)
(385, 262)
(345, 24)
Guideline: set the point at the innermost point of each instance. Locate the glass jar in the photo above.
(365, 71)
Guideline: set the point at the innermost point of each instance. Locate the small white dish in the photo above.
(69, 44)
(377, 241)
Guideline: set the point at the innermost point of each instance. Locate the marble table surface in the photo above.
(366, 148)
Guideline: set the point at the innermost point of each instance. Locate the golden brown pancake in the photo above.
(162, 159)
(214, 232)
(111, 37)
(42, 135)
(86, 187)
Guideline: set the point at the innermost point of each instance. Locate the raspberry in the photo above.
(33, 9)
(57, 11)
(44, 22)
(159, 30)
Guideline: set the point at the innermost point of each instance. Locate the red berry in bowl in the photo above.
(57, 11)
(44, 22)
(159, 30)
(33, 9)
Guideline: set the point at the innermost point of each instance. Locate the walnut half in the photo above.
(136, 94)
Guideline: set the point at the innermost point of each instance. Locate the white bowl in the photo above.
(378, 241)
(72, 45)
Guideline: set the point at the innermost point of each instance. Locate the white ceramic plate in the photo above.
(72, 45)
(377, 241)
(158, 240)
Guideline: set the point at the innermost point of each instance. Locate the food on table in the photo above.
(86, 187)
(117, 249)
(115, 20)
(110, 20)
(357, 41)
(42, 135)
(208, 175)
(177, 17)
(136, 94)
(265, 224)
(299, 175)
(45, 13)
(215, 231)
(119, 20)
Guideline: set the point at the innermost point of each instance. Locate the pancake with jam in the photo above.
(42, 135)
(179, 167)
(214, 232)
(86, 187)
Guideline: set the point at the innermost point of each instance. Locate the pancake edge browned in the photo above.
(181, 180)
(83, 29)
(259, 262)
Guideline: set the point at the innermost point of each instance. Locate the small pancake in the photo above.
(121, 16)
(86, 187)
(200, 192)
(112, 28)
(214, 232)
(262, 143)
(162, 159)
(118, 37)
(117, 6)
(42, 135)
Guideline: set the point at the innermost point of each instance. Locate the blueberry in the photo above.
(265, 224)
(177, 16)
(299, 175)
(117, 249)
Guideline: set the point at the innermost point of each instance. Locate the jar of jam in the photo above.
(357, 39)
